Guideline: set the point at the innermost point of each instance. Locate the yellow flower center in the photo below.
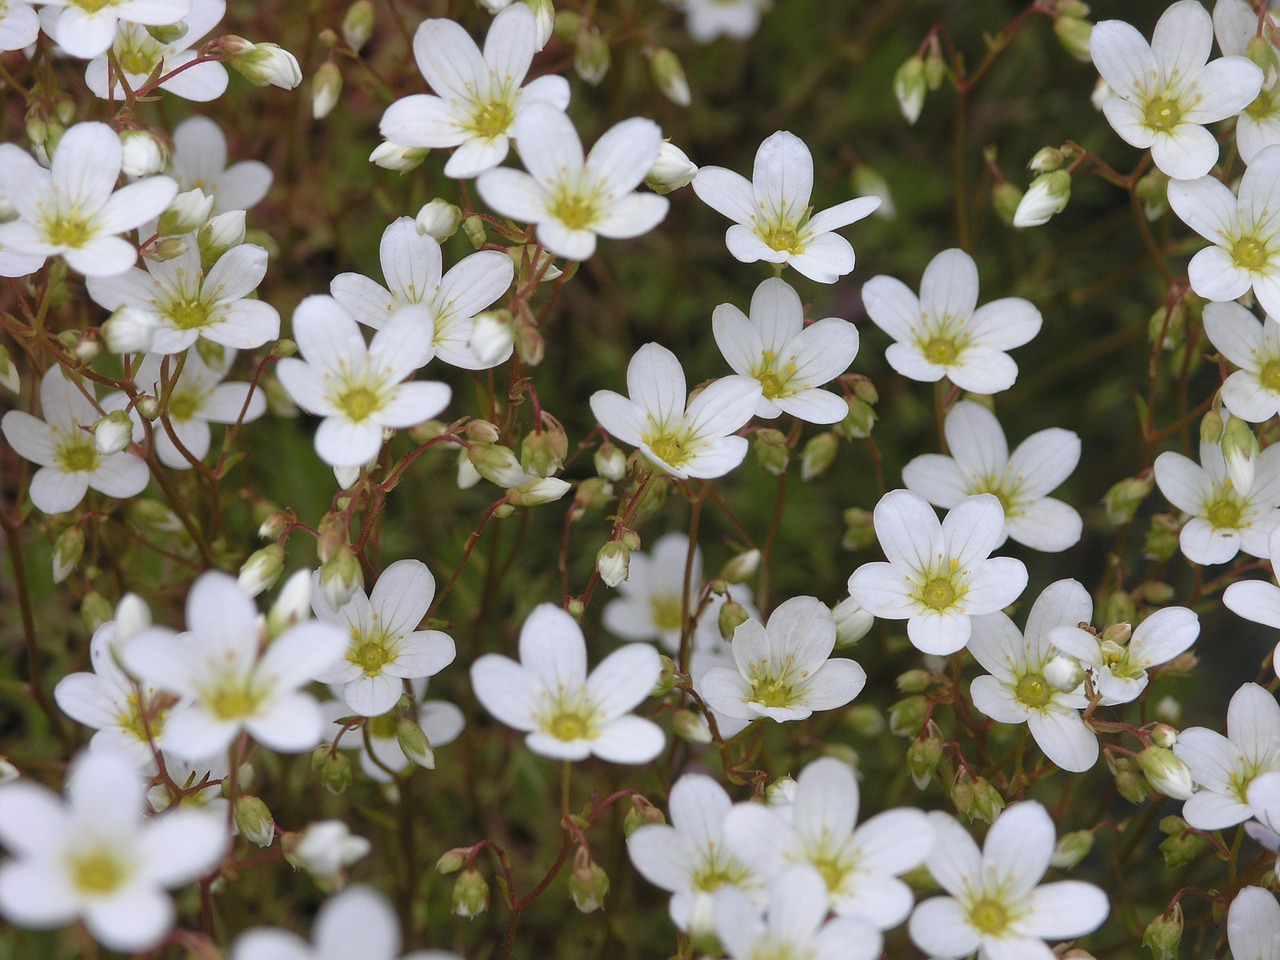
(189, 314)
(231, 697)
(183, 406)
(1033, 691)
(665, 610)
(493, 118)
(359, 403)
(989, 916)
(771, 691)
(1263, 106)
(718, 870)
(131, 720)
(383, 727)
(78, 455)
(574, 209)
(1250, 253)
(941, 351)
(138, 52)
(67, 231)
(1163, 113)
(938, 594)
(98, 870)
(1269, 375)
(1224, 514)
(669, 448)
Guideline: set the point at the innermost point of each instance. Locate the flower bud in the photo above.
(672, 170)
(537, 492)
(451, 861)
(1128, 783)
(148, 407)
(923, 757)
(543, 451)
(914, 681)
(1073, 33)
(254, 820)
(1046, 160)
(860, 531)
(1240, 449)
(528, 266)
(167, 33)
(818, 455)
(414, 744)
(274, 525)
(852, 622)
(189, 211)
(1064, 673)
(340, 577)
(157, 516)
(668, 74)
(130, 330)
(1163, 735)
(1163, 934)
(1071, 848)
(530, 346)
(333, 766)
(568, 24)
(264, 64)
(858, 422)
(987, 802)
(588, 883)
(732, 616)
(1123, 499)
(262, 569)
(1048, 195)
(438, 220)
(470, 894)
(292, 606)
(741, 567)
(867, 181)
(113, 433)
(326, 87)
(1005, 199)
(219, 234)
(497, 464)
(772, 451)
(544, 18)
(9, 378)
(691, 727)
(67, 551)
(642, 813)
(864, 720)
(962, 793)
(358, 23)
(1166, 773)
(1162, 538)
(392, 156)
(906, 717)
(613, 562)
(610, 462)
(142, 153)
(591, 56)
(910, 86)
(1166, 329)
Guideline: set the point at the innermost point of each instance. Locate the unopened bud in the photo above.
(672, 170)
(113, 433)
(451, 861)
(497, 464)
(67, 551)
(691, 727)
(1164, 934)
(1240, 450)
(358, 23)
(274, 526)
(1163, 735)
(1046, 160)
(167, 33)
(1162, 540)
(1064, 673)
(438, 219)
(909, 86)
(860, 531)
(1129, 784)
(326, 88)
(867, 181)
(1123, 499)
(588, 883)
(341, 577)
(818, 455)
(491, 339)
(852, 622)
(142, 153)
(1071, 848)
(1006, 198)
(962, 794)
(392, 156)
(189, 211)
(987, 802)
(858, 422)
(1166, 329)
(264, 64)
(333, 766)
(470, 894)
(1073, 33)
(741, 567)
(772, 452)
(220, 234)
(906, 717)
(923, 757)
(1048, 195)
(668, 74)
(292, 606)
(254, 820)
(262, 569)
(1166, 773)
(732, 615)
(414, 744)
(610, 462)
(537, 492)
(543, 451)
(591, 56)
(530, 345)
(613, 562)
(642, 813)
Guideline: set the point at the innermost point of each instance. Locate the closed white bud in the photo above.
(870, 182)
(1240, 450)
(438, 220)
(610, 462)
(220, 234)
(264, 64)
(340, 577)
(741, 567)
(544, 16)
(189, 211)
(1046, 160)
(852, 622)
(292, 606)
(142, 153)
(613, 562)
(691, 727)
(357, 25)
(668, 74)
(672, 170)
(414, 744)
(326, 87)
(910, 86)
(1166, 773)
(592, 57)
(1047, 195)
(491, 338)
(392, 156)
(9, 378)
(262, 569)
(1064, 673)
(113, 433)
(67, 551)
(254, 820)
(132, 616)
(535, 492)
(498, 464)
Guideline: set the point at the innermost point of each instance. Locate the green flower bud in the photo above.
(1181, 849)
(262, 64)
(1048, 195)
(642, 813)
(568, 25)
(732, 616)
(860, 530)
(189, 211)
(1129, 784)
(1073, 33)
(167, 33)
(963, 794)
(451, 861)
(818, 455)
(987, 802)
(772, 452)
(333, 766)
(470, 894)
(1071, 848)
(910, 87)
(741, 567)
(1162, 538)
(1046, 160)
(67, 551)
(358, 23)
(262, 569)
(1117, 608)
(414, 744)
(1166, 329)
(254, 821)
(864, 720)
(691, 727)
(858, 422)
(530, 345)
(341, 577)
(542, 453)
(915, 681)
(906, 717)
(613, 562)
(668, 74)
(1164, 934)
(1006, 198)
(474, 228)
(1123, 499)
(326, 88)
(867, 181)
(923, 757)
(1166, 773)
(591, 57)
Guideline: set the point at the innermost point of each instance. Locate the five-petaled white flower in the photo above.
(1244, 231)
(781, 670)
(358, 389)
(572, 199)
(95, 856)
(412, 266)
(1166, 91)
(1253, 392)
(568, 714)
(62, 444)
(1017, 690)
(995, 906)
(980, 463)
(939, 574)
(773, 219)
(479, 96)
(200, 163)
(386, 645)
(790, 360)
(74, 210)
(692, 442)
(85, 28)
(941, 334)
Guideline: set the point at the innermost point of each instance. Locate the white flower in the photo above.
(412, 266)
(938, 574)
(1120, 672)
(1223, 521)
(1166, 91)
(19, 26)
(707, 19)
(790, 360)
(996, 907)
(773, 219)
(1258, 600)
(263, 64)
(1252, 393)
(85, 28)
(568, 714)
(1048, 195)
(441, 723)
(1244, 231)
(386, 647)
(940, 334)
(74, 210)
(69, 462)
(1253, 923)
(692, 442)
(859, 866)
(95, 856)
(226, 681)
(144, 153)
(139, 53)
(1018, 690)
(672, 170)
(200, 163)
(980, 463)
(327, 846)
(479, 96)
(571, 199)
(358, 389)
(1224, 767)
(652, 597)
(781, 670)
(1235, 23)
(689, 857)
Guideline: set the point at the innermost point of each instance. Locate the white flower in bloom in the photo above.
(794, 925)
(860, 866)
(186, 303)
(412, 265)
(63, 447)
(196, 399)
(386, 646)
(980, 463)
(200, 163)
(85, 28)
(689, 857)
(1244, 231)
(781, 670)
(1253, 923)
(707, 19)
(773, 220)
(939, 574)
(568, 714)
(1017, 690)
(326, 846)
(1166, 91)
(226, 681)
(1252, 393)
(571, 199)
(440, 721)
(19, 26)
(139, 53)
(692, 442)
(1235, 23)
(356, 923)
(93, 855)
(1224, 767)
(650, 601)
(1223, 521)
(1120, 672)
(790, 360)
(479, 96)
(358, 389)
(74, 209)
(1258, 600)
(107, 699)
(940, 334)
